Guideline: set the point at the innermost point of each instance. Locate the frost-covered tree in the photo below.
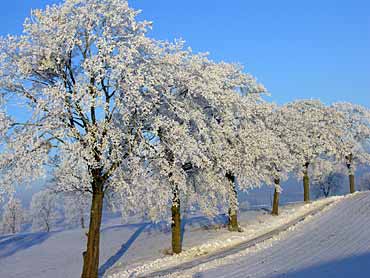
(76, 208)
(96, 89)
(12, 216)
(354, 139)
(310, 130)
(5, 121)
(44, 210)
(257, 154)
(80, 69)
(327, 176)
(183, 139)
(279, 162)
(236, 139)
(278, 158)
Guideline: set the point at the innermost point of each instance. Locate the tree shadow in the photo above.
(17, 243)
(356, 266)
(203, 222)
(124, 248)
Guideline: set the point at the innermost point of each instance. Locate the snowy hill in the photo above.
(335, 243)
(59, 254)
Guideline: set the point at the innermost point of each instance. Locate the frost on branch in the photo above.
(6, 188)
(98, 91)
(309, 129)
(184, 132)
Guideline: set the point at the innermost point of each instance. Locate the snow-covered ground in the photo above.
(141, 248)
(214, 241)
(335, 243)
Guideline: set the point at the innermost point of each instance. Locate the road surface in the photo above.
(335, 244)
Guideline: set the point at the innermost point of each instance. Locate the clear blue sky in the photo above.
(298, 49)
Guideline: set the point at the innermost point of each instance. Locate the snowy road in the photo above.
(333, 244)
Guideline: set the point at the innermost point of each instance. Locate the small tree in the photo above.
(76, 208)
(327, 177)
(44, 210)
(13, 216)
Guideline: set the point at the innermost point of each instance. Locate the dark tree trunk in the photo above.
(352, 187)
(233, 211)
(176, 224)
(13, 224)
(326, 190)
(351, 175)
(306, 183)
(82, 220)
(91, 256)
(275, 204)
(233, 220)
(175, 209)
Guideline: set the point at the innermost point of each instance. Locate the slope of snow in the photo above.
(223, 240)
(335, 244)
(59, 254)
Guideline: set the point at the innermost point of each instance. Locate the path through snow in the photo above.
(335, 244)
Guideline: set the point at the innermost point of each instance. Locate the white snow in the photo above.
(339, 233)
(222, 240)
(335, 243)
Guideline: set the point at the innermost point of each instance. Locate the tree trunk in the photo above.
(176, 223)
(82, 222)
(91, 256)
(13, 224)
(233, 220)
(352, 187)
(306, 184)
(233, 210)
(275, 204)
(351, 173)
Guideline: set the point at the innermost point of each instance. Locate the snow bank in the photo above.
(260, 225)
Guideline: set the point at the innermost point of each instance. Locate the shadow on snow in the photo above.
(141, 227)
(356, 266)
(124, 248)
(13, 244)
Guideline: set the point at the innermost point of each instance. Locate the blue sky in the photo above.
(297, 49)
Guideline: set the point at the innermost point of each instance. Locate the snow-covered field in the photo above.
(136, 248)
(222, 241)
(335, 243)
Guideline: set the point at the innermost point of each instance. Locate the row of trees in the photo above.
(48, 208)
(109, 110)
